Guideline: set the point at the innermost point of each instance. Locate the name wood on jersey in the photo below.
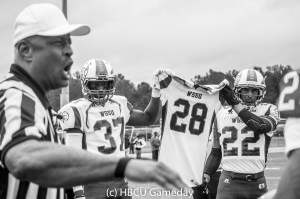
(194, 94)
(107, 113)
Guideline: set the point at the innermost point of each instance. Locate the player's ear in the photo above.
(24, 49)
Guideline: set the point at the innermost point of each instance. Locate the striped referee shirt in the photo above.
(25, 114)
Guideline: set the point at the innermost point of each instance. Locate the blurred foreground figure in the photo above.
(289, 107)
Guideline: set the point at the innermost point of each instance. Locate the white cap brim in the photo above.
(73, 29)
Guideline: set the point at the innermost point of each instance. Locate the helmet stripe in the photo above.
(251, 76)
(100, 68)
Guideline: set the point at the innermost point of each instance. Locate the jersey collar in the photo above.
(21, 74)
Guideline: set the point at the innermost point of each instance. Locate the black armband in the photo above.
(213, 161)
(256, 123)
(121, 166)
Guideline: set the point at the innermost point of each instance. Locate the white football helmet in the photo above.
(98, 81)
(250, 78)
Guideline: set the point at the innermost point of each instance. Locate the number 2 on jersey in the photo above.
(194, 117)
(244, 143)
(289, 99)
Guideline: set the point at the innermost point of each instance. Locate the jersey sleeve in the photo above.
(274, 114)
(22, 118)
(126, 107)
(70, 118)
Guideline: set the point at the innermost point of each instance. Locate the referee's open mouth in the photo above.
(67, 69)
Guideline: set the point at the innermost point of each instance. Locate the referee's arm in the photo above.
(53, 165)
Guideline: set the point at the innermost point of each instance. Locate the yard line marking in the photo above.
(272, 168)
(277, 163)
(273, 178)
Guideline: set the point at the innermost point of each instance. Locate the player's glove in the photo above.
(201, 189)
(155, 87)
(162, 70)
(157, 76)
(230, 97)
(206, 178)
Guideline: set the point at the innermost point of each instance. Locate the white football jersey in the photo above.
(289, 107)
(242, 150)
(188, 113)
(103, 127)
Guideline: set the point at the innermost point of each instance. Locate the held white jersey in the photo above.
(103, 127)
(188, 113)
(242, 150)
(289, 107)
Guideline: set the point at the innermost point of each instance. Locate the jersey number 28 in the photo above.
(195, 117)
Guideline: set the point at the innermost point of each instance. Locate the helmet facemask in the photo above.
(256, 97)
(246, 80)
(99, 95)
(98, 81)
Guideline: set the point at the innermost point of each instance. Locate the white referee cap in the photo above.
(45, 20)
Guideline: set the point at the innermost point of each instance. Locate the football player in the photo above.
(288, 105)
(96, 123)
(242, 134)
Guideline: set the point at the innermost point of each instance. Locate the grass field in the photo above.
(275, 166)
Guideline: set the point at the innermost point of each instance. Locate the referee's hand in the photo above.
(152, 171)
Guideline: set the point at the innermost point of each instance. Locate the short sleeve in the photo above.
(70, 118)
(128, 108)
(274, 113)
(22, 118)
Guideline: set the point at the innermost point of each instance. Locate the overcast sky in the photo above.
(188, 36)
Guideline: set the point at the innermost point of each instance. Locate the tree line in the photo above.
(139, 96)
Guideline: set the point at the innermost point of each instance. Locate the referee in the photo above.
(33, 164)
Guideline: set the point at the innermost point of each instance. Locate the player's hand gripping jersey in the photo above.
(289, 107)
(101, 127)
(188, 112)
(243, 150)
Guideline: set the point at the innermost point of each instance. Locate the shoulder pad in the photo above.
(119, 97)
